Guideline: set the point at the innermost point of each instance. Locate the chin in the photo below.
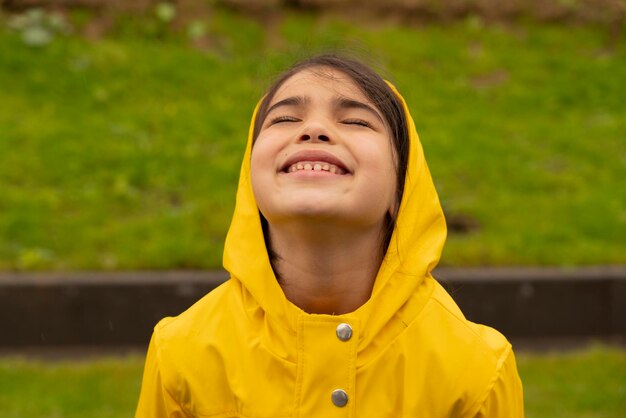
(310, 210)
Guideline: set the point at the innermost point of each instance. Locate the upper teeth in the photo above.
(315, 166)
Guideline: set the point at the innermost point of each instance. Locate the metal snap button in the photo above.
(339, 397)
(344, 332)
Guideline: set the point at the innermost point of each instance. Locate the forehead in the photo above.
(322, 81)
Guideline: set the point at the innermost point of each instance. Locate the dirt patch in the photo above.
(489, 80)
(462, 224)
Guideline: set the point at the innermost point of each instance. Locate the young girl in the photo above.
(331, 309)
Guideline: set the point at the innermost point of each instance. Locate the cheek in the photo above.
(382, 162)
(257, 159)
(385, 178)
(261, 156)
(262, 171)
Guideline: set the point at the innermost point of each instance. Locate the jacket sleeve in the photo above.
(154, 400)
(505, 399)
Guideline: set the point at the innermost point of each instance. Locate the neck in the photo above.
(324, 269)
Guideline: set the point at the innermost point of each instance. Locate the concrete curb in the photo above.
(537, 303)
(120, 309)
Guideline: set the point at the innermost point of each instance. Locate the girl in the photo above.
(331, 310)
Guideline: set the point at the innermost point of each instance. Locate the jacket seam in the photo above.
(187, 413)
(461, 320)
(299, 367)
(352, 377)
(480, 403)
(465, 323)
(408, 325)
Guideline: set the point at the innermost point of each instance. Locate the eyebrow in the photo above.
(340, 102)
(346, 103)
(289, 101)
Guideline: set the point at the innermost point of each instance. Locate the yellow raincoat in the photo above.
(245, 351)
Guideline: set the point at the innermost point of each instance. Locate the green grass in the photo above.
(123, 153)
(583, 384)
(85, 389)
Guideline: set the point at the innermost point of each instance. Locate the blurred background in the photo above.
(122, 128)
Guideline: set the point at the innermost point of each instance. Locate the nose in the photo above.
(315, 131)
(320, 137)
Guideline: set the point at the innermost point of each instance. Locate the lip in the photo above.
(314, 155)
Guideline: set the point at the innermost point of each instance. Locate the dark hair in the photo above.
(380, 94)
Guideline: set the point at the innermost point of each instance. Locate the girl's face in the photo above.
(323, 152)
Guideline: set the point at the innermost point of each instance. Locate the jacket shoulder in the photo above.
(480, 336)
(190, 350)
(198, 333)
(197, 319)
(473, 356)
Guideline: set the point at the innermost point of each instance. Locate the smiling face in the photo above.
(323, 152)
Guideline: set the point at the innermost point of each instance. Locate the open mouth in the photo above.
(315, 166)
(314, 161)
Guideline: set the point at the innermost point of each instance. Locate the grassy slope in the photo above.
(590, 383)
(123, 153)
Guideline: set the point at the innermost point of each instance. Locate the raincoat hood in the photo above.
(245, 351)
(413, 252)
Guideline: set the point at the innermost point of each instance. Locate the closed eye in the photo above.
(280, 119)
(359, 122)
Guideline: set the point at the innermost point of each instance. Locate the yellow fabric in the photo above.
(245, 351)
